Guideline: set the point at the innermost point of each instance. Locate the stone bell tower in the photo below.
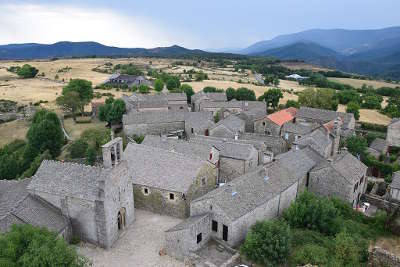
(112, 153)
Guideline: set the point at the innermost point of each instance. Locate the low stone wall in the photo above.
(381, 257)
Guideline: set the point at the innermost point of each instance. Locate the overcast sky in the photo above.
(193, 24)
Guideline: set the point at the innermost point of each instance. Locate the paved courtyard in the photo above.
(138, 246)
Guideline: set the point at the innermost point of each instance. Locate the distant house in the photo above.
(343, 176)
(393, 133)
(231, 127)
(128, 80)
(272, 123)
(170, 184)
(296, 77)
(323, 116)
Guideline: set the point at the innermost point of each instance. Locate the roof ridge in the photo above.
(50, 161)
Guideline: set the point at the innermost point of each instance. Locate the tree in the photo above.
(319, 98)
(112, 111)
(188, 90)
(12, 160)
(267, 243)
(357, 145)
(211, 89)
(276, 81)
(200, 76)
(269, 79)
(371, 101)
(70, 102)
(272, 97)
(144, 89)
(292, 103)
(78, 149)
(393, 107)
(353, 107)
(36, 164)
(27, 71)
(230, 93)
(314, 213)
(91, 155)
(29, 246)
(347, 96)
(45, 133)
(158, 85)
(83, 88)
(243, 93)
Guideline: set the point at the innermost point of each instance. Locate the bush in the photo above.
(310, 254)
(91, 155)
(267, 243)
(346, 251)
(314, 213)
(373, 127)
(78, 149)
(144, 89)
(27, 71)
(158, 85)
(353, 107)
(26, 245)
(96, 137)
(188, 90)
(210, 89)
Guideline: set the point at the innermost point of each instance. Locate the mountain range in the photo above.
(369, 52)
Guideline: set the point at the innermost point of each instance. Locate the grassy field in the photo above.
(75, 130)
(370, 116)
(10, 131)
(358, 83)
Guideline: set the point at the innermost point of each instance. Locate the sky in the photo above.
(204, 24)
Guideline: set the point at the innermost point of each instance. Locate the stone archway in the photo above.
(121, 219)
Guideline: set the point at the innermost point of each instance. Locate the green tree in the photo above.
(347, 96)
(314, 213)
(272, 97)
(188, 90)
(158, 85)
(319, 98)
(70, 102)
(96, 137)
(267, 243)
(292, 103)
(45, 133)
(36, 164)
(371, 101)
(83, 88)
(276, 82)
(112, 111)
(91, 155)
(244, 93)
(211, 89)
(353, 107)
(12, 160)
(78, 149)
(393, 107)
(230, 93)
(27, 71)
(28, 246)
(144, 89)
(346, 250)
(200, 76)
(357, 145)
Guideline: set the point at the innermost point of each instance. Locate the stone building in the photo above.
(18, 206)
(378, 147)
(231, 127)
(166, 182)
(224, 109)
(156, 102)
(343, 176)
(250, 116)
(393, 133)
(394, 187)
(201, 97)
(98, 201)
(198, 123)
(322, 116)
(153, 122)
(128, 80)
(321, 141)
(228, 212)
(293, 131)
(272, 124)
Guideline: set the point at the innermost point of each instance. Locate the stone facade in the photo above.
(393, 133)
(266, 126)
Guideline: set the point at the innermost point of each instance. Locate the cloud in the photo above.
(21, 23)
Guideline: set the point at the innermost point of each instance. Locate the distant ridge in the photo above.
(86, 49)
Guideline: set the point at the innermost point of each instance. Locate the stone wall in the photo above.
(154, 129)
(381, 257)
(266, 126)
(393, 134)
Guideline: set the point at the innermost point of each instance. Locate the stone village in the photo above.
(219, 177)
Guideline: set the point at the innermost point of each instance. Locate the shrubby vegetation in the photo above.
(128, 69)
(211, 89)
(271, 97)
(28, 246)
(25, 72)
(319, 98)
(322, 231)
(353, 107)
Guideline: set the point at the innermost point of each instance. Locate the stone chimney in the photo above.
(112, 153)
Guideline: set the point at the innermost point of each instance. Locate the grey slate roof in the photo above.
(395, 180)
(247, 192)
(235, 150)
(187, 223)
(345, 164)
(149, 117)
(68, 179)
(394, 121)
(299, 162)
(210, 96)
(17, 206)
(233, 123)
(202, 119)
(159, 168)
(300, 128)
(149, 100)
(323, 115)
(318, 140)
(379, 145)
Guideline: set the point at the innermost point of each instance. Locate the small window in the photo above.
(286, 136)
(214, 226)
(199, 238)
(210, 207)
(203, 181)
(264, 123)
(171, 196)
(180, 107)
(146, 191)
(192, 130)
